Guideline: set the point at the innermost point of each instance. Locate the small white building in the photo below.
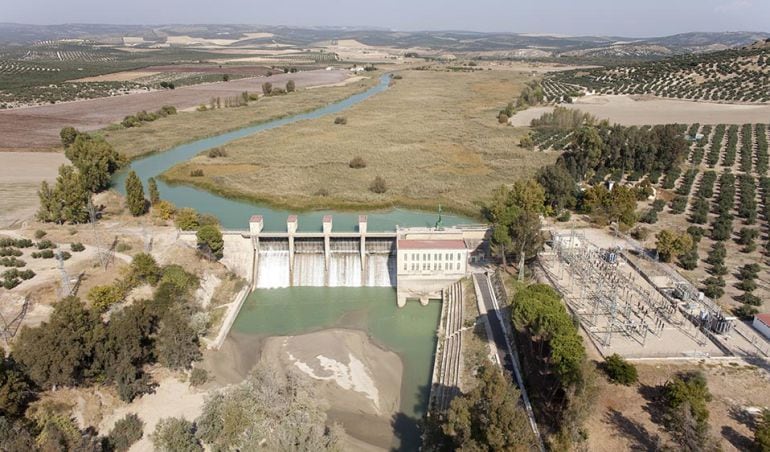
(762, 324)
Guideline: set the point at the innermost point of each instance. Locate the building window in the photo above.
(415, 257)
(404, 266)
(458, 266)
(439, 267)
(458, 256)
(406, 256)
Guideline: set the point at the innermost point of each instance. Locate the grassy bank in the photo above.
(433, 137)
(187, 126)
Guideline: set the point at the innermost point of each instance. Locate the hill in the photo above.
(733, 75)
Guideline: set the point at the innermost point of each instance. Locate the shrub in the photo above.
(196, 173)
(39, 234)
(357, 163)
(45, 245)
(175, 435)
(502, 118)
(745, 312)
(126, 432)
(620, 371)
(216, 152)
(64, 255)
(378, 185)
(164, 209)
(187, 219)
(341, 120)
(198, 376)
(122, 247)
(77, 247)
(102, 297)
(564, 216)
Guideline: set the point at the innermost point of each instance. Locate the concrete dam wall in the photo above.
(312, 264)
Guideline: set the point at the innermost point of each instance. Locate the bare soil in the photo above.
(37, 128)
(20, 177)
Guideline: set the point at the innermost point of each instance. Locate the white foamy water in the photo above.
(380, 270)
(345, 270)
(309, 270)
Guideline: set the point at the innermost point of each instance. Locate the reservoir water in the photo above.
(272, 311)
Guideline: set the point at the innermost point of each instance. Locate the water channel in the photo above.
(409, 332)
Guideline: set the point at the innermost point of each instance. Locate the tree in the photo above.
(211, 237)
(685, 397)
(95, 159)
(276, 411)
(290, 87)
(618, 204)
(68, 136)
(135, 201)
(267, 88)
(67, 202)
(670, 244)
(175, 435)
(164, 209)
(559, 186)
(762, 432)
(15, 388)
(177, 343)
(619, 370)
(126, 432)
(153, 190)
(515, 213)
(489, 417)
(60, 351)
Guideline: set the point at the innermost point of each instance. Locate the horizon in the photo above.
(550, 17)
(388, 29)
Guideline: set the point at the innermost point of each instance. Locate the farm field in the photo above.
(645, 110)
(735, 75)
(20, 177)
(428, 146)
(37, 128)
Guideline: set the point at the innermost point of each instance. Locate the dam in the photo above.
(420, 262)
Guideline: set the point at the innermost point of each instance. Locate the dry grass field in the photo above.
(187, 126)
(432, 136)
(20, 176)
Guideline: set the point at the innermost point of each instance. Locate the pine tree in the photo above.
(135, 195)
(153, 189)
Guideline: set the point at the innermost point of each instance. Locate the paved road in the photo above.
(495, 324)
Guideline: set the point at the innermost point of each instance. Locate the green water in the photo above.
(409, 331)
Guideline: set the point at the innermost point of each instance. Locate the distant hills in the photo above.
(474, 44)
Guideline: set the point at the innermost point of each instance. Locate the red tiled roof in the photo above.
(327, 219)
(292, 219)
(764, 318)
(362, 218)
(255, 218)
(431, 244)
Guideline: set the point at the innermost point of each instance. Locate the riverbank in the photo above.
(432, 136)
